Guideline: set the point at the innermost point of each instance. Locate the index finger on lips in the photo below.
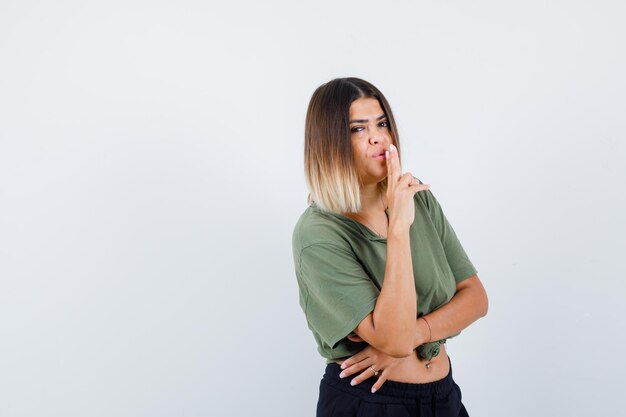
(393, 164)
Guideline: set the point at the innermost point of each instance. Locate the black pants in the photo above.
(338, 398)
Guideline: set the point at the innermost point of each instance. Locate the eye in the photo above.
(358, 129)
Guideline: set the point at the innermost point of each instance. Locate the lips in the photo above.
(381, 153)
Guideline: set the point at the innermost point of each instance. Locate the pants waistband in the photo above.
(402, 390)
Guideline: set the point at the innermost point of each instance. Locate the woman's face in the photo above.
(370, 133)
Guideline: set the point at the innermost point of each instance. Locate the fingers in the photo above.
(362, 366)
(355, 359)
(393, 165)
(379, 383)
(406, 179)
(367, 369)
(411, 183)
(367, 373)
(419, 187)
(415, 184)
(395, 176)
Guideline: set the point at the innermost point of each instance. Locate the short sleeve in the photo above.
(338, 293)
(458, 260)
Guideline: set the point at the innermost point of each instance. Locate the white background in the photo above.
(151, 173)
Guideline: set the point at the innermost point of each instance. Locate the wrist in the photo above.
(397, 231)
(424, 332)
(430, 330)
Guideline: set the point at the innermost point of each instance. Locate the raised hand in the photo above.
(400, 191)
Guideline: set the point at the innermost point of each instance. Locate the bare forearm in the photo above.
(468, 305)
(394, 315)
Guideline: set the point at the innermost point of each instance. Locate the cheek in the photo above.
(357, 152)
(362, 158)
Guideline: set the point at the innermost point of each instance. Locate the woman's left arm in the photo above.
(468, 304)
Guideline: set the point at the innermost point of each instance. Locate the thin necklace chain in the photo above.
(376, 231)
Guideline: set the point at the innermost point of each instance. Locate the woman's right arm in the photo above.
(390, 328)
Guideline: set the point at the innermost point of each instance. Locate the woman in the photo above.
(383, 278)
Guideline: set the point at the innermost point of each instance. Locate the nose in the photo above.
(378, 135)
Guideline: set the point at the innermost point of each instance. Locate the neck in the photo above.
(371, 198)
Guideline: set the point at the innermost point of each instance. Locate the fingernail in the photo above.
(373, 390)
(353, 382)
(386, 154)
(392, 147)
(342, 375)
(343, 365)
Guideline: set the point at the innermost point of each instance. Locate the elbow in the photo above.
(484, 305)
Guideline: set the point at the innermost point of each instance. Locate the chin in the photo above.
(374, 179)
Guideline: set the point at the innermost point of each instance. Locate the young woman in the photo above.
(383, 278)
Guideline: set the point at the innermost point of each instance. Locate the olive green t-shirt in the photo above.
(340, 266)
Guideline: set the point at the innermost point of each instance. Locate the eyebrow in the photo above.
(382, 116)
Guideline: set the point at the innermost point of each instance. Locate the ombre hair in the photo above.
(331, 176)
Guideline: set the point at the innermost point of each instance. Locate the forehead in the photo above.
(365, 108)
